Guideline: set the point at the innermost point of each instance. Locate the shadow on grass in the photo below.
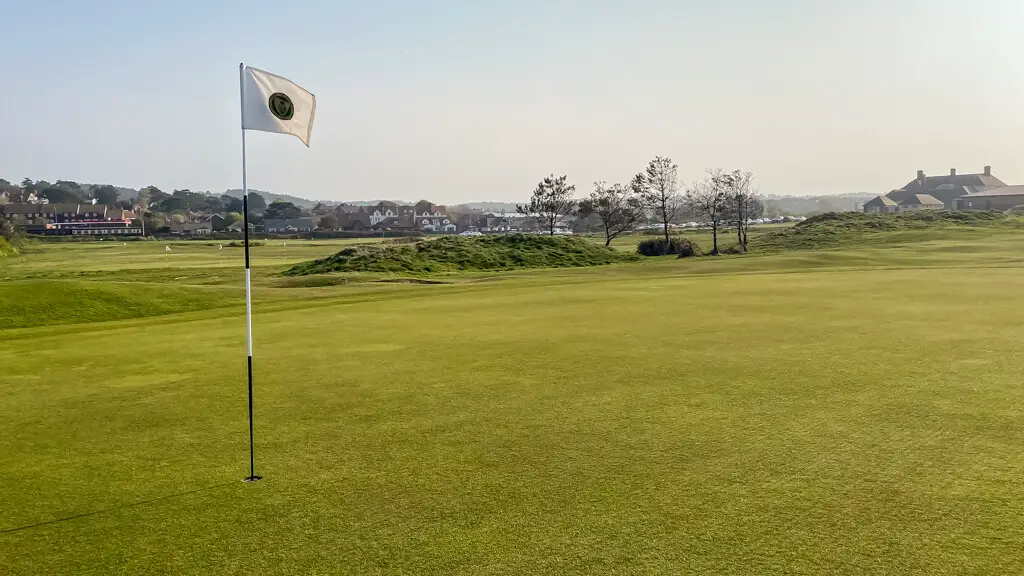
(121, 507)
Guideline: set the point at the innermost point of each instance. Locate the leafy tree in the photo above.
(616, 207)
(660, 184)
(328, 222)
(69, 186)
(61, 195)
(256, 202)
(709, 199)
(232, 204)
(232, 217)
(143, 199)
(106, 195)
(551, 201)
(280, 210)
(214, 204)
(153, 194)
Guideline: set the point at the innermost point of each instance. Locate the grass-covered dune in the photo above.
(849, 229)
(462, 254)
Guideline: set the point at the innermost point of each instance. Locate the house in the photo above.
(192, 228)
(435, 224)
(357, 221)
(920, 202)
(289, 225)
(218, 222)
(946, 189)
(237, 227)
(881, 204)
(1002, 198)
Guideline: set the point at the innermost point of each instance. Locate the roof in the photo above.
(290, 222)
(1001, 191)
(346, 209)
(923, 200)
(52, 208)
(191, 225)
(883, 200)
(972, 180)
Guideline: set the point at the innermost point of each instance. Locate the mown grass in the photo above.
(842, 411)
(44, 303)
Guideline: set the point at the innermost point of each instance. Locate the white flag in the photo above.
(271, 103)
(167, 248)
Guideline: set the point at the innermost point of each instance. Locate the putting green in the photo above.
(852, 411)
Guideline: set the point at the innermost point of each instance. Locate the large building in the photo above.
(1002, 198)
(71, 219)
(935, 192)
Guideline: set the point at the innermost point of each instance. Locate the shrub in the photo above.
(731, 250)
(659, 247)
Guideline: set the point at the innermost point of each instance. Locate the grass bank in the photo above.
(853, 229)
(462, 254)
(44, 302)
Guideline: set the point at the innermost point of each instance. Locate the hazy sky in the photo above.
(475, 100)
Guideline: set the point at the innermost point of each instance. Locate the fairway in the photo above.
(848, 411)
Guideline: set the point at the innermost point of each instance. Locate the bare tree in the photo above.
(617, 207)
(661, 191)
(551, 200)
(709, 198)
(743, 203)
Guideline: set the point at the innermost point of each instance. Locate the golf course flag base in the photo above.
(253, 478)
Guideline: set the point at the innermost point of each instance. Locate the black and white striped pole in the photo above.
(270, 103)
(248, 288)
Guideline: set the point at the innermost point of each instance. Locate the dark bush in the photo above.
(659, 247)
(731, 250)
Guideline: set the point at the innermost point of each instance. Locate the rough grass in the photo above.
(462, 254)
(851, 229)
(7, 249)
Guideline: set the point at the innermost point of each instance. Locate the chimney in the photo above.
(988, 170)
(920, 177)
(952, 171)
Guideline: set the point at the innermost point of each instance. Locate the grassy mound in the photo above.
(6, 248)
(854, 228)
(457, 254)
(46, 302)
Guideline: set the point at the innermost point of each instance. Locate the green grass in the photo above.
(44, 303)
(462, 254)
(855, 410)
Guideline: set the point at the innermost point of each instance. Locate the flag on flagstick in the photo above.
(167, 248)
(274, 104)
(269, 103)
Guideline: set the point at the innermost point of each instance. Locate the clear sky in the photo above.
(473, 100)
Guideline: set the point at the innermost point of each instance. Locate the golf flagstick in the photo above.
(248, 288)
(269, 103)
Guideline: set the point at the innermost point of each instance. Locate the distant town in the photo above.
(73, 209)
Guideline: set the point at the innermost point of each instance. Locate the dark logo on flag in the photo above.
(281, 106)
